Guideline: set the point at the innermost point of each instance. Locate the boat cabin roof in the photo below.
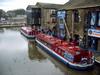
(49, 39)
(61, 45)
(70, 49)
(28, 29)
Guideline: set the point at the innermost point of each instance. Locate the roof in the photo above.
(48, 5)
(31, 6)
(74, 4)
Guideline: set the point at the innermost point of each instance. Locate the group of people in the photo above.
(75, 39)
(47, 30)
(53, 32)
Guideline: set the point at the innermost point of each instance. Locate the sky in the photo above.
(17, 4)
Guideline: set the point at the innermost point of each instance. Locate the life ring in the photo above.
(90, 32)
(84, 61)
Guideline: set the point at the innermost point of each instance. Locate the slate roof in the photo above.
(31, 6)
(48, 5)
(73, 4)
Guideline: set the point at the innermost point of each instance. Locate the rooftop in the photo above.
(48, 5)
(31, 6)
(73, 4)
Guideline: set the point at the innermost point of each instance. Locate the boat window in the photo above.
(39, 20)
(56, 49)
(48, 45)
(59, 51)
(62, 53)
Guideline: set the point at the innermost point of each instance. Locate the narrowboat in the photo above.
(28, 32)
(66, 52)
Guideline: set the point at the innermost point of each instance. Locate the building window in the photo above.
(76, 16)
(53, 20)
(33, 21)
(53, 11)
(99, 19)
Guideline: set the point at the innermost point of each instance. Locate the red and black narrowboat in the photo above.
(66, 52)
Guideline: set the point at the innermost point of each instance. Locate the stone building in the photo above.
(83, 18)
(48, 13)
(33, 15)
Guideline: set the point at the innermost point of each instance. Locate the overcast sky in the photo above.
(14, 4)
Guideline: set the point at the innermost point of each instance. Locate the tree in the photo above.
(2, 14)
(20, 12)
(13, 13)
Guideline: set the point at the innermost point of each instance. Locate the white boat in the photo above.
(28, 32)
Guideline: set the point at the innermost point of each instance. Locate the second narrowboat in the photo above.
(28, 32)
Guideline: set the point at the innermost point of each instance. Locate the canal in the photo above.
(19, 56)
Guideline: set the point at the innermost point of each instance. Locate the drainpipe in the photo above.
(72, 24)
(67, 29)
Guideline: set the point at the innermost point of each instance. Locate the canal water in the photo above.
(20, 56)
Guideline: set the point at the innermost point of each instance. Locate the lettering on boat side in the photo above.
(68, 56)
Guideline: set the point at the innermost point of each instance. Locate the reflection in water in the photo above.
(14, 57)
(33, 53)
(1, 30)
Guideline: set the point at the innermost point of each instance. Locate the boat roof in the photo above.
(26, 28)
(70, 49)
(62, 45)
(48, 39)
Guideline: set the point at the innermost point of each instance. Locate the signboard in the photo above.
(61, 14)
(68, 56)
(94, 33)
(61, 26)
